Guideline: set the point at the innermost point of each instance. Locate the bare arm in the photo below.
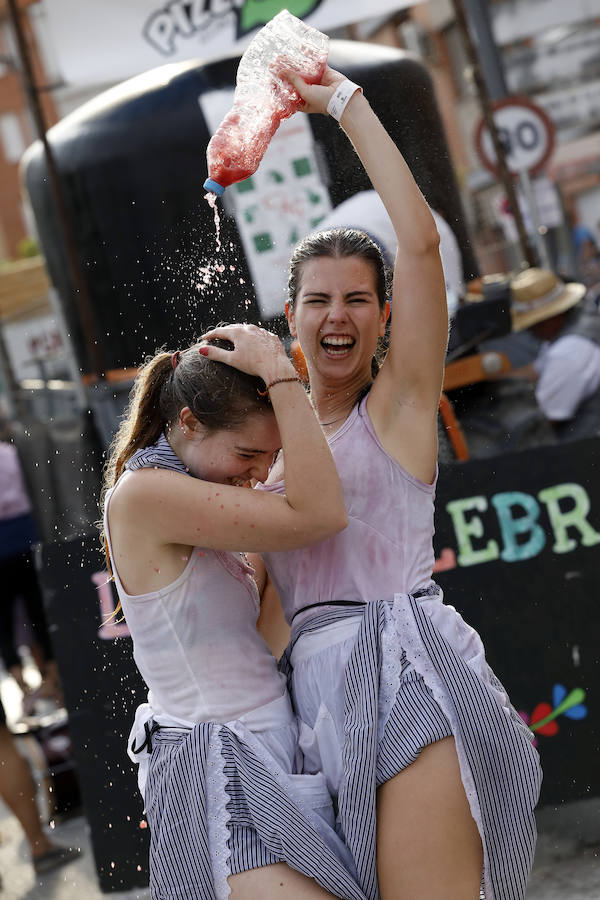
(404, 400)
(405, 397)
(168, 508)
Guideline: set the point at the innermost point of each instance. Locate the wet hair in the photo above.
(338, 243)
(341, 243)
(219, 396)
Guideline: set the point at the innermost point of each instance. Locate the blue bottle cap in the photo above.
(214, 186)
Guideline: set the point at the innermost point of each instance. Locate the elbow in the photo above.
(424, 242)
(430, 240)
(335, 523)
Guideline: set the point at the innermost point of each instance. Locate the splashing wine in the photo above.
(211, 199)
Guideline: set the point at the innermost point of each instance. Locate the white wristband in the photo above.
(340, 98)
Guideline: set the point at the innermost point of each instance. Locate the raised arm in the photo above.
(404, 400)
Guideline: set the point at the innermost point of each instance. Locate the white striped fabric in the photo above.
(198, 837)
(159, 456)
(266, 823)
(442, 695)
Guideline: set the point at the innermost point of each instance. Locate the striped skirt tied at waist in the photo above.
(218, 804)
(414, 672)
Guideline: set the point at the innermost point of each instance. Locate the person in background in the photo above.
(566, 371)
(366, 212)
(19, 579)
(587, 251)
(17, 790)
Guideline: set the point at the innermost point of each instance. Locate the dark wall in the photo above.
(517, 540)
(102, 689)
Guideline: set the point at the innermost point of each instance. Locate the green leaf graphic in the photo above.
(575, 697)
(259, 12)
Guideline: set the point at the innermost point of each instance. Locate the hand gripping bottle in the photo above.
(261, 99)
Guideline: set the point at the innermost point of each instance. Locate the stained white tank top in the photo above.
(195, 641)
(387, 547)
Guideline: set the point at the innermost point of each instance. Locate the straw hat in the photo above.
(538, 294)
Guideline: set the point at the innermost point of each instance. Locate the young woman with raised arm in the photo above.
(434, 773)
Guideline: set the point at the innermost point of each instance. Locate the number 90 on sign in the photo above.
(526, 133)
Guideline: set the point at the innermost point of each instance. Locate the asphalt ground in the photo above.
(567, 863)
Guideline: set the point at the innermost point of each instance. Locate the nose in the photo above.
(260, 469)
(336, 311)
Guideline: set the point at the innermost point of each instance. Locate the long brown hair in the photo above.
(218, 395)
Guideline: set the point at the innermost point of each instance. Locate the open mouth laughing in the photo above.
(337, 346)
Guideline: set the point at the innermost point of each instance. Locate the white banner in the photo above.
(101, 41)
(574, 110)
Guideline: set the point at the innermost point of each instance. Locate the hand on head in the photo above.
(254, 350)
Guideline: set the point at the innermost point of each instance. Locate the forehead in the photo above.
(349, 273)
(257, 432)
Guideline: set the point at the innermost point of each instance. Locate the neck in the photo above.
(175, 440)
(334, 401)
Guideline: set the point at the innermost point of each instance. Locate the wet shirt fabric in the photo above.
(195, 641)
(569, 373)
(216, 741)
(375, 682)
(387, 546)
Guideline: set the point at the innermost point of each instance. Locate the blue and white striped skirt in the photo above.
(221, 799)
(373, 684)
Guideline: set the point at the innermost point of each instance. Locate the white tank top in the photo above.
(195, 641)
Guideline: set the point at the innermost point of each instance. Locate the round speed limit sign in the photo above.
(525, 131)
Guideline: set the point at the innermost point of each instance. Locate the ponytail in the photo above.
(218, 395)
(142, 427)
(144, 423)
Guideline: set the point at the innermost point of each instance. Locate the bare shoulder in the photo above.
(139, 495)
(134, 486)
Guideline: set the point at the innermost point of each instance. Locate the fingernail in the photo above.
(203, 351)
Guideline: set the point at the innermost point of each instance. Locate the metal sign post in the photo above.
(501, 171)
(540, 243)
(527, 137)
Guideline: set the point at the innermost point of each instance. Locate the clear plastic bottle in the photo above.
(261, 99)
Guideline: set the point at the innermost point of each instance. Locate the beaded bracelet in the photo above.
(341, 97)
(277, 381)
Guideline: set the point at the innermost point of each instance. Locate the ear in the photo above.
(383, 317)
(187, 421)
(290, 316)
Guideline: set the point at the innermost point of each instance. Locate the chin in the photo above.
(348, 366)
